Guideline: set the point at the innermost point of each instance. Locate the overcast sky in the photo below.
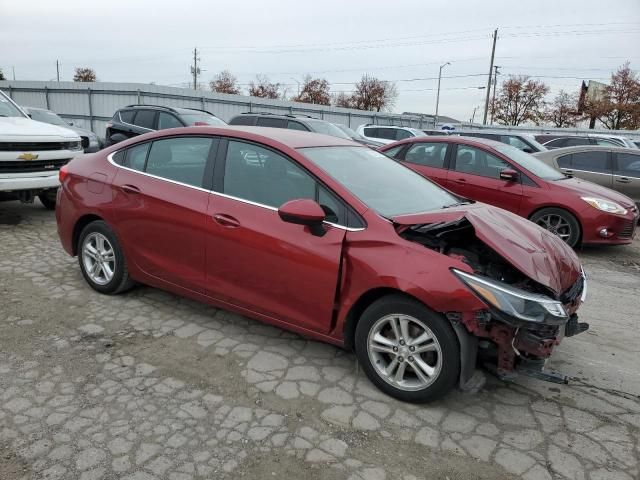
(559, 42)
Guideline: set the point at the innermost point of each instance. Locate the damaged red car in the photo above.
(329, 239)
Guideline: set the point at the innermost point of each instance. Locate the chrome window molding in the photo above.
(224, 195)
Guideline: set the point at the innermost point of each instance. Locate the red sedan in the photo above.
(576, 210)
(327, 238)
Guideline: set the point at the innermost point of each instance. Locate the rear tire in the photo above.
(406, 350)
(48, 198)
(101, 259)
(559, 222)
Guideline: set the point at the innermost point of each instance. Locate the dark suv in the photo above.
(292, 122)
(134, 120)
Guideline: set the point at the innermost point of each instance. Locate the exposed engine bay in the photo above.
(507, 346)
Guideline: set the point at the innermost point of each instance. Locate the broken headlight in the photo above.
(514, 302)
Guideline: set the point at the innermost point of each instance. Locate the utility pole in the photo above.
(438, 94)
(58, 70)
(473, 115)
(495, 83)
(195, 69)
(493, 53)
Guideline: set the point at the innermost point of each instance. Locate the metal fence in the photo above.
(91, 105)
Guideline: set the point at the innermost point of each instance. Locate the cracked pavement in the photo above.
(147, 385)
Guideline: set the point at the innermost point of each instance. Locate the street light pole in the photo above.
(438, 94)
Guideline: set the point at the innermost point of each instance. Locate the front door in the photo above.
(475, 174)
(626, 175)
(257, 261)
(161, 208)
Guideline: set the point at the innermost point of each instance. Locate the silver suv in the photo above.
(388, 133)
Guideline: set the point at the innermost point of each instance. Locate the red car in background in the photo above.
(327, 238)
(576, 210)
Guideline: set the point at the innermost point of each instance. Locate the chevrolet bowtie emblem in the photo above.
(28, 156)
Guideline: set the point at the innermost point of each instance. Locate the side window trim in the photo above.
(220, 168)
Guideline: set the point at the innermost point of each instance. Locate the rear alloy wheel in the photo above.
(48, 198)
(408, 351)
(101, 259)
(560, 223)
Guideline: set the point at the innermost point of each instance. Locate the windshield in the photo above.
(381, 183)
(530, 163)
(327, 128)
(7, 108)
(351, 133)
(201, 119)
(47, 117)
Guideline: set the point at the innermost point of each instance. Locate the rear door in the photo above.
(593, 166)
(428, 159)
(160, 207)
(626, 174)
(255, 260)
(475, 174)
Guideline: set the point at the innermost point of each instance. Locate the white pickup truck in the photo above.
(31, 153)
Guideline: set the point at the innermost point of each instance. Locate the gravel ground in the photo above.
(147, 385)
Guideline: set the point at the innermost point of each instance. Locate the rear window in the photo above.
(271, 122)
(145, 119)
(243, 120)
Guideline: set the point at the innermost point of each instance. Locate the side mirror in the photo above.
(527, 150)
(509, 175)
(70, 124)
(303, 211)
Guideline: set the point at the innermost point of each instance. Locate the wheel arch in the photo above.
(79, 226)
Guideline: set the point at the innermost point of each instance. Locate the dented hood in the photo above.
(537, 253)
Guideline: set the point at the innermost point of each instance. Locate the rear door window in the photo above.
(271, 122)
(145, 119)
(628, 165)
(427, 154)
(179, 159)
(243, 120)
(591, 162)
(387, 133)
(137, 156)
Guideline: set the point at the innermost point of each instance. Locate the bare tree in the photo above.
(619, 106)
(225, 82)
(374, 94)
(314, 90)
(520, 100)
(343, 100)
(563, 111)
(262, 87)
(84, 74)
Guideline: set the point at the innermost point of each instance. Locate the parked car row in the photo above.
(336, 241)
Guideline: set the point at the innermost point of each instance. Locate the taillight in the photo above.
(200, 124)
(62, 174)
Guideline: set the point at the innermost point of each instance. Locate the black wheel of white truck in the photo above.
(406, 350)
(48, 198)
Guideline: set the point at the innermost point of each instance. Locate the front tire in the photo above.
(101, 259)
(559, 222)
(406, 350)
(48, 198)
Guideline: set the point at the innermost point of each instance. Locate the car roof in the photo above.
(557, 152)
(290, 138)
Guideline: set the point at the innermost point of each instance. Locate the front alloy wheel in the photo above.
(559, 222)
(404, 352)
(407, 350)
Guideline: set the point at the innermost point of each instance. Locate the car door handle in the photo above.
(623, 180)
(130, 189)
(460, 180)
(226, 220)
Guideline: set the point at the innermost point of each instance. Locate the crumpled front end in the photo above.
(528, 311)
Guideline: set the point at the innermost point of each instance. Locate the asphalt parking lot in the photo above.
(147, 385)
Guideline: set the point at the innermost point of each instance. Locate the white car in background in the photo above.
(388, 133)
(31, 153)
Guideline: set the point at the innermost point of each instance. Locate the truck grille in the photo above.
(627, 230)
(28, 166)
(36, 146)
